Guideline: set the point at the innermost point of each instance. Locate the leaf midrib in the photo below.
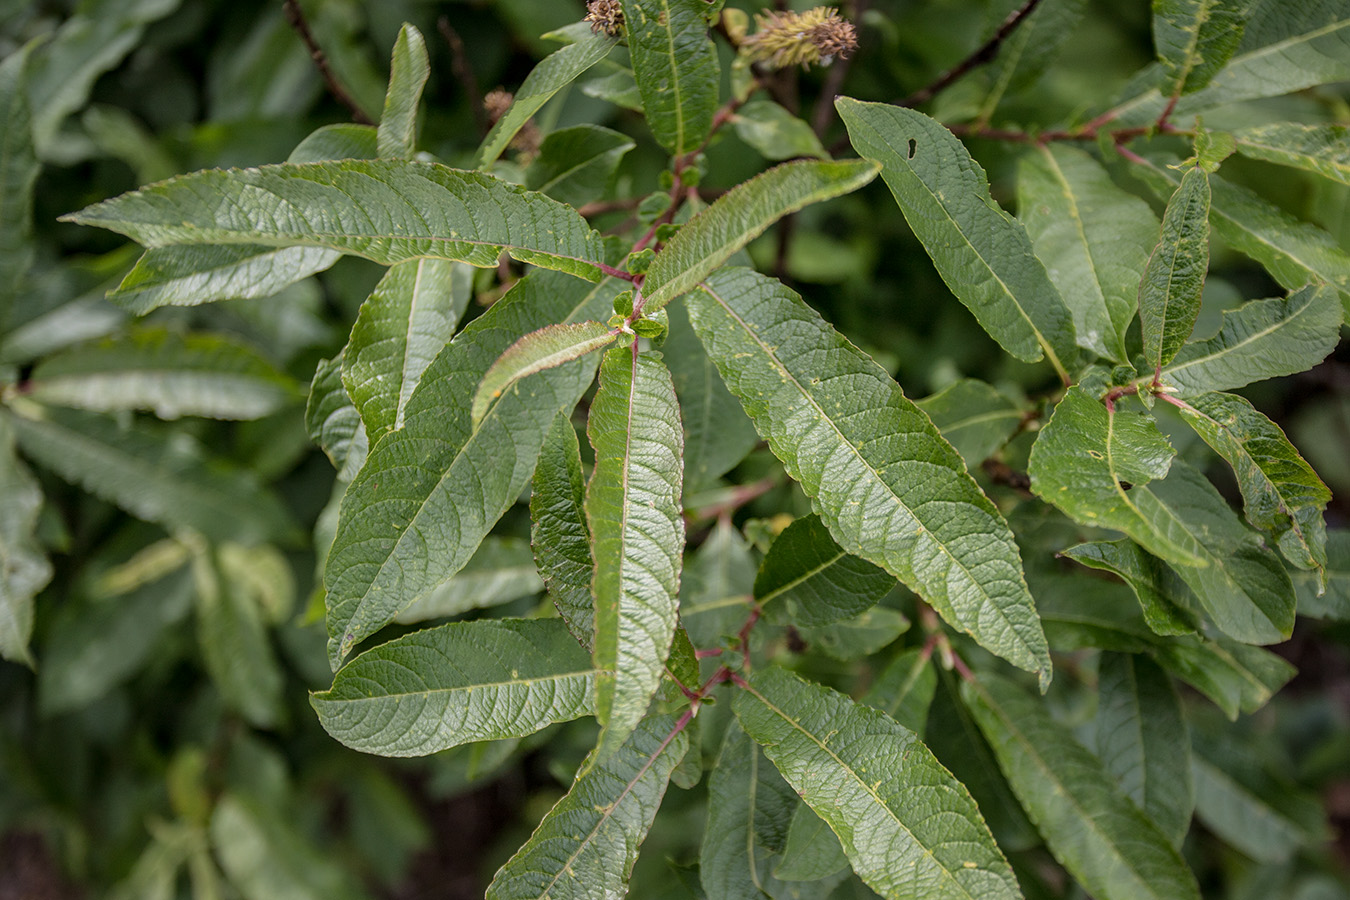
(1232, 348)
(327, 697)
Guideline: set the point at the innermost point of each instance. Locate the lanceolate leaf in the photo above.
(333, 422)
(1259, 340)
(1324, 149)
(1281, 493)
(1093, 237)
(167, 373)
(982, 253)
(409, 317)
(500, 571)
(24, 569)
(1195, 38)
(972, 415)
(545, 348)
(431, 491)
(18, 173)
(676, 68)
(887, 485)
(637, 535)
(739, 216)
(586, 846)
(909, 828)
(462, 682)
(1164, 597)
(1093, 829)
(189, 275)
(560, 535)
(404, 209)
(1169, 296)
(807, 579)
(1143, 741)
(715, 598)
(554, 73)
(409, 70)
(577, 165)
(904, 690)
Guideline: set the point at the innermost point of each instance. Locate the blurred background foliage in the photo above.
(162, 745)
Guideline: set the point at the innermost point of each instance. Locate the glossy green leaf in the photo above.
(431, 491)
(982, 253)
(1112, 849)
(889, 488)
(908, 827)
(408, 73)
(776, 133)
(1143, 741)
(577, 165)
(974, 417)
(904, 690)
(18, 174)
(715, 589)
(555, 72)
(24, 569)
(458, 683)
(1093, 237)
(1281, 494)
(559, 534)
(189, 275)
(545, 348)
(167, 373)
(585, 847)
(1324, 149)
(637, 535)
(860, 636)
(332, 421)
(1163, 596)
(1334, 601)
(155, 474)
(405, 209)
(1195, 39)
(1169, 296)
(1259, 340)
(806, 579)
(501, 570)
(408, 318)
(676, 68)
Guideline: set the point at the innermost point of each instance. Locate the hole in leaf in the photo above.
(913, 145)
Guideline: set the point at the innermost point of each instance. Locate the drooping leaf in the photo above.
(1195, 39)
(1163, 596)
(908, 827)
(542, 349)
(585, 847)
(739, 216)
(409, 317)
(1143, 741)
(1324, 149)
(188, 275)
(1281, 494)
(24, 569)
(1259, 340)
(500, 571)
(860, 636)
(715, 598)
(878, 483)
(458, 683)
(332, 421)
(405, 209)
(974, 417)
(1093, 237)
(1112, 849)
(559, 535)
(806, 579)
(982, 253)
(18, 174)
(431, 491)
(408, 73)
(904, 690)
(676, 68)
(637, 535)
(555, 72)
(1334, 601)
(577, 165)
(1169, 296)
(167, 373)
(776, 133)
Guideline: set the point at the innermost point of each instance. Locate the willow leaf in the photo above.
(408, 73)
(888, 486)
(501, 570)
(545, 348)
(739, 216)
(904, 690)
(812, 851)
(806, 579)
(402, 325)
(24, 569)
(1112, 849)
(189, 275)
(431, 491)
(1195, 38)
(559, 534)
(1281, 493)
(637, 535)
(1333, 601)
(974, 417)
(676, 68)
(405, 209)
(332, 421)
(457, 683)
(982, 253)
(1163, 596)
(909, 828)
(233, 641)
(1324, 149)
(1169, 296)
(585, 847)
(18, 174)
(715, 598)
(1093, 237)
(577, 165)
